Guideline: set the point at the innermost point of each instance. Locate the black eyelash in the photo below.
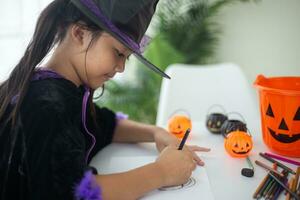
(121, 55)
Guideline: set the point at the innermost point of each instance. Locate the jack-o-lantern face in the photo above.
(238, 143)
(280, 113)
(214, 122)
(284, 129)
(178, 124)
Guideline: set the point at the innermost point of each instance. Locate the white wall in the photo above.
(262, 37)
(17, 21)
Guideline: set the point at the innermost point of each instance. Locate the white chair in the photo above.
(196, 88)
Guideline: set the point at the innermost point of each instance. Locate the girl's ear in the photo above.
(80, 35)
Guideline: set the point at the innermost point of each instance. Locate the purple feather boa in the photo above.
(121, 116)
(88, 189)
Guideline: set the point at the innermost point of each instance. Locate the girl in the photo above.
(49, 126)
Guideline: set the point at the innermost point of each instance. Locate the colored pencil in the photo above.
(288, 185)
(279, 190)
(283, 185)
(288, 195)
(268, 168)
(260, 186)
(294, 188)
(298, 189)
(283, 159)
(260, 194)
(271, 190)
(274, 190)
(278, 163)
(268, 188)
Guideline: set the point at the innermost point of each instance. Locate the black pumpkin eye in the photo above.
(236, 145)
(297, 115)
(247, 145)
(270, 111)
(178, 126)
(283, 125)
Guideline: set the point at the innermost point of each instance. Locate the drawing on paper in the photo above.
(190, 183)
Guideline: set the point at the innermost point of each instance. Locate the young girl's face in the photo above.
(104, 58)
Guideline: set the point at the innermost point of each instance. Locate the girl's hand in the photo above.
(163, 139)
(175, 166)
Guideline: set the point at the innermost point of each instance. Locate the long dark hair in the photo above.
(50, 30)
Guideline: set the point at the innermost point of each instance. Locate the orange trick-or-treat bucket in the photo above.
(280, 113)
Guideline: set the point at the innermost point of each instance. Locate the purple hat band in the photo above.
(137, 48)
(96, 14)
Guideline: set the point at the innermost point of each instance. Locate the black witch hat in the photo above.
(126, 20)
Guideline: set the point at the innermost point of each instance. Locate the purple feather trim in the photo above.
(121, 116)
(39, 74)
(145, 43)
(88, 189)
(43, 73)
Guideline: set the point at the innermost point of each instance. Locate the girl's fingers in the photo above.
(194, 156)
(197, 159)
(197, 148)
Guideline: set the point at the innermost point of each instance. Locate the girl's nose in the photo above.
(120, 67)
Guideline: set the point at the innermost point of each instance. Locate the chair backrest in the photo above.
(196, 88)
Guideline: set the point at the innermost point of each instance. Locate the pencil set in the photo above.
(275, 182)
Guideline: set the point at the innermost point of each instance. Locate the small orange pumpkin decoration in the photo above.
(178, 124)
(238, 144)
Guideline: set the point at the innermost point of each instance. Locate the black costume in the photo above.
(50, 121)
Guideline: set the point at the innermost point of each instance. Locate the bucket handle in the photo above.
(214, 106)
(180, 110)
(238, 114)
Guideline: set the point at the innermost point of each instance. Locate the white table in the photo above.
(224, 172)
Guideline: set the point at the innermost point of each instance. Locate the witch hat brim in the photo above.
(108, 15)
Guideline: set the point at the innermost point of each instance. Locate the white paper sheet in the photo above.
(201, 190)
